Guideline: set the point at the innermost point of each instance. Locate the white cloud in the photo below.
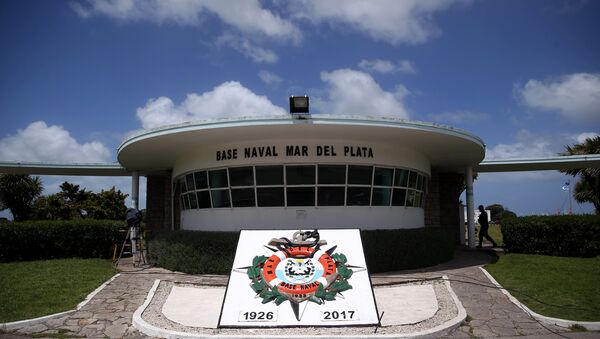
(40, 142)
(575, 96)
(352, 92)
(247, 48)
(391, 21)
(269, 78)
(459, 117)
(528, 144)
(580, 138)
(248, 16)
(230, 99)
(386, 66)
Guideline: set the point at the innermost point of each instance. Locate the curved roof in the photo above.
(446, 147)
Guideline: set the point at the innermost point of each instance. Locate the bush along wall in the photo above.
(392, 250)
(37, 240)
(198, 252)
(194, 252)
(562, 235)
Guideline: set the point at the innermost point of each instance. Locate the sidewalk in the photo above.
(490, 312)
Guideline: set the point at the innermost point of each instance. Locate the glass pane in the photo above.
(241, 176)
(383, 176)
(186, 201)
(332, 174)
(270, 196)
(203, 199)
(182, 186)
(360, 175)
(358, 196)
(300, 175)
(269, 175)
(399, 197)
(401, 178)
(193, 200)
(218, 178)
(381, 196)
(200, 178)
(220, 198)
(418, 199)
(425, 184)
(330, 196)
(412, 180)
(300, 196)
(242, 197)
(410, 198)
(183, 201)
(189, 179)
(420, 182)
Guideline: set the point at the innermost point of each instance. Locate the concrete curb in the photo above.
(28, 322)
(450, 324)
(151, 330)
(589, 325)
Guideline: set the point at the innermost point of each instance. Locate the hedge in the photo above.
(392, 250)
(563, 235)
(193, 252)
(39, 240)
(198, 252)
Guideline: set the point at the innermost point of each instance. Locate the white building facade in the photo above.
(321, 172)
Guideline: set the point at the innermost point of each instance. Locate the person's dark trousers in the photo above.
(483, 233)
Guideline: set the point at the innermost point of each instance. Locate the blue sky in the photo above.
(76, 77)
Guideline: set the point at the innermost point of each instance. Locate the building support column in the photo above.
(470, 206)
(135, 190)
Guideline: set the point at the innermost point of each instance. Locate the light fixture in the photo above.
(298, 104)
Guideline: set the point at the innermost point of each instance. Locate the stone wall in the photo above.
(158, 202)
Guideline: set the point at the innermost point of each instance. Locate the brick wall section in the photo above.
(441, 205)
(432, 201)
(158, 202)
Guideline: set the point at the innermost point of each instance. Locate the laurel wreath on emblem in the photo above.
(293, 273)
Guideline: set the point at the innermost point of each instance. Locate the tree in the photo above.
(72, 202)
(498, 212)
(18, 192)
(588, 188)
(107, 205)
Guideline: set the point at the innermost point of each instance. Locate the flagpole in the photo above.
(570, 199)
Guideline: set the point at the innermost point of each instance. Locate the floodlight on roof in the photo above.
(298, 104)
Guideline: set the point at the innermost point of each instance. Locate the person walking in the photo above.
(483, 227)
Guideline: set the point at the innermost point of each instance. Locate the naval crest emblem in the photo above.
(299, 269)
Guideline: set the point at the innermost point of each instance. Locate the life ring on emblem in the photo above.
(300, 272)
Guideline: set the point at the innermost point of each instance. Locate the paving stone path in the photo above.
(490, 313)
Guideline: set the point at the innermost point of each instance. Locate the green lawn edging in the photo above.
(558, 287)
(32, 289)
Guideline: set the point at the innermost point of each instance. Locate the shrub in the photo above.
(563, 235)
(194, 252)
(200, 252)
(391, 250)
(38, 240)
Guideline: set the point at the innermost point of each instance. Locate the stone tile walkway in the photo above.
(490, 313)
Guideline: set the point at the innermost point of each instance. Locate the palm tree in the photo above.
(18, 192)
(588, 188)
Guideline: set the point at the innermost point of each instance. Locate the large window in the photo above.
(302, 185)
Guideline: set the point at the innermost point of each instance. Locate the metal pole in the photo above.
(135, 193)
(135, 189)
(470, 206)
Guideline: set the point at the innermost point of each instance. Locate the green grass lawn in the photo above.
(569, 288)
(37, 288)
